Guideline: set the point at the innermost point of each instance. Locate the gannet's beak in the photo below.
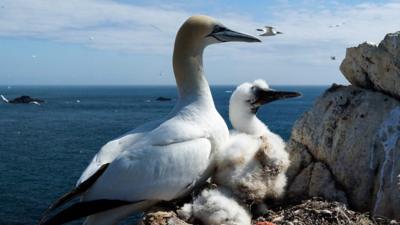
(224, 34)
(278, 32)
(266, 96)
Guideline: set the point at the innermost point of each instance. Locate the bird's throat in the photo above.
(188, 69)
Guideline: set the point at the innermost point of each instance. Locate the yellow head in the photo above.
(199, 31)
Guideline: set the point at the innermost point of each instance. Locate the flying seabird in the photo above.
(254, 163)
(337, 25)
(333, 57)
(163, 159)
(269, 31)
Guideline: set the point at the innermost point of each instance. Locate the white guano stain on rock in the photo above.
(389, 133)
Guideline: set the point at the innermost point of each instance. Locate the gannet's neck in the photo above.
(188, 69)
(247, 122)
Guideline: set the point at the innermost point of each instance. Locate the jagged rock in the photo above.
(310, 211)
(375, 67)
(347, 148)
(24, 99)
(162, 218)
(163, 99)
(322, 212)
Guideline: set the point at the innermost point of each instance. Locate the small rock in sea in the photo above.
(24, 99)
(162, 99)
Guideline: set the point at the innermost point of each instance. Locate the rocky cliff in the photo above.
(347, 146)
(375, 67)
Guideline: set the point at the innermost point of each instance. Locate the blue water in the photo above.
(44, 149)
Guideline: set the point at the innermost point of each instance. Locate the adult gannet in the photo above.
(254, 163)
(269, 31)
(164, 159)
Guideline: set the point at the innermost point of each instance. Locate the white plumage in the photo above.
(215, 207)
(164, 159)
(269, 31)
(254, 162)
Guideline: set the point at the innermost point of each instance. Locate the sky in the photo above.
(128, 42)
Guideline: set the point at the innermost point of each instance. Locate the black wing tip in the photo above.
(83, 209)
(80, 189)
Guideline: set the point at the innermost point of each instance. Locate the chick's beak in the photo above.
(267, 96)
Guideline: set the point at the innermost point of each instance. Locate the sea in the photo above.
(44, 148)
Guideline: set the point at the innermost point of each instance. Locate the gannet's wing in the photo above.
(77, 191)
(152, 173)
(161, 172)
(82, 209)
(4, 99)
(100, 163)
(113, 148)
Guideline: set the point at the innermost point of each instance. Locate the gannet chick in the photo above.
(162, 160)
(254, 162)
(269, 31)
(215, 207)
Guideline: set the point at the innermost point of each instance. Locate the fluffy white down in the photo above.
(215, 207)
(253, 167)
(254, 162)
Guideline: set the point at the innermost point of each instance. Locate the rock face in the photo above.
(318, 211)
(347, 148)
(375, 67)
(162, 218)
(312, 211)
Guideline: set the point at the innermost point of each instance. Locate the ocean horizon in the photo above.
(45, 148)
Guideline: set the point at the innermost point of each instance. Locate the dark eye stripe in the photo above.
(218, 28)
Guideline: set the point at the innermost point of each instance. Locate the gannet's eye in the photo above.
(218, 28)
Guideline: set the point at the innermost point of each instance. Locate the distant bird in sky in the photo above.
(269, 31)
(333, 57)
(337, 25)
(155, 27)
